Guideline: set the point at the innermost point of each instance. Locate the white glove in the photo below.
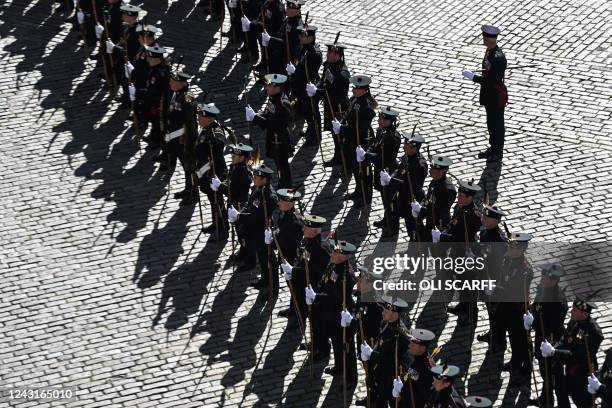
(345, 318)
(80, 17)
(385, 178)
(336, 126)
(132, 92)
(290, 68)
(268, 237)
(366, 351)
(360, 154)
(232, 4)
(435, 235)
(310, 295)
(397, 387)
(546, 349)
(594, 384)
(287, 268)
(246, 24)
(232, 214)
(416, 208)
(128, 68)
(468, 74)
(250, 113)
(99, 31)
(110, 46)
(527, 320)
(311, 89)
(215, 184)
(265, 38)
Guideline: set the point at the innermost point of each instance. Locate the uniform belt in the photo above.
(174, 135)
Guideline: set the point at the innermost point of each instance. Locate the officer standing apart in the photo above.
(493, 92)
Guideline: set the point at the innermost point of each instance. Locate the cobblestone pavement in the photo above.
(107, 285)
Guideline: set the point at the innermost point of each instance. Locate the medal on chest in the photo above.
(270, 107)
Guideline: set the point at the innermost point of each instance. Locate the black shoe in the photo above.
(245, 267)
(380, 223)
(94, 57)
(226, 34)
(362, 402)
(331, 163)
(496, 349)
(153, 146)
(209, 229)
(507, 367)
(163, 166)
(161, 157)
(533, 402)
(189, 200)
(518, 380)
(350, 196)
(288, 312)
(311, 141)
(484, 338)
(245, 59)
(180, 195)
(357, 204)
(332, 370)
(259, 284)
(293, 324)
(125, 104)
(484, 154)
(460, 309)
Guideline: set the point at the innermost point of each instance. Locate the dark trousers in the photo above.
(348, 348)
(320, 328)
(574, 386)
(552, 374)
(283, 171)
(495, 126)
(363, 180)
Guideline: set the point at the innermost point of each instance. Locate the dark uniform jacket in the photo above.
(333, 83)
(307, 66)
(252, 222)
(383, 152)
(370, 314)
(209, 147)
(272, 14)
(494, 248)
(464, 219)
(238, 185)
(289, 233)
(285, 39)
(438, 201)
(415, 168)
(420, 375)
(577, 336)
(549, 309)
(275, 119)
(329, 290)
(605, 377)
(114, 21)
(356, 127)
(156, 86)
(493, 91)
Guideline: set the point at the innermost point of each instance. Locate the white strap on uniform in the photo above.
(203, 170)
(173, 135)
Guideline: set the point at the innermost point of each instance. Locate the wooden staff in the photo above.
(365, 363)
(344, 342)
(397, 366)
(105, 68)
(357, 138)
(306, 256)
(333, 116)
(246, 36)
(312, 109)
(268, 225)
(110, 56)
(529, 342)
(265, 49)
(590, 363)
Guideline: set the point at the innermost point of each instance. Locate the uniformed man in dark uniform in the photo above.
(600, 384)
(270, 19)
(275, 119)
(253, 221)
(289, 232)
(405, 186)
(209, 150)
(180, 137)
(156, 96)
(333, 294)
(462, 230)
(382, 154)
(147, 38)
(387, 358)
(283, 45)
(305, 70)
(577, 352)
(512, 286)
(237, 187)
(441, 394)
(441, 193)
(369, 315)
(313, 257)
(547, 317)
(493, 247)
(418, 378)
(250, 10)
(332, 91)
(355, 134)
(493, 92)
(114, 22)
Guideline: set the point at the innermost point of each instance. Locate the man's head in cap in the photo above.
(467, 190)
(130, 13)
(293, 7)
(178, 79)
(392, 308)
(335, 52)
(262, 175)
(443, 376)
(412, 143)
(582, 307)
(419, 341)
(361, 85)
(147, 34)
(287, 198)
(439, 166)
(240, 152)
(307, 34)
(274, 83)
(313, 225)
(551, 274)
(491, 216)
(155, 55)
(207, 114)
(517, 244)
(387, 117)
(342, 251)
(489, 35)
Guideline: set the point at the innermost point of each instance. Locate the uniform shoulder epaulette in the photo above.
(499, 54)
(189, 97)
(450, 185)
